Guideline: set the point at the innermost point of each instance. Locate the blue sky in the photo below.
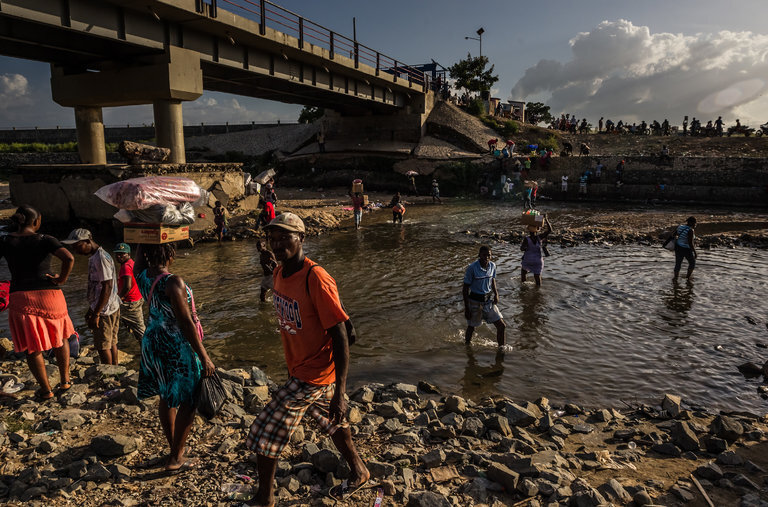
(622, 59)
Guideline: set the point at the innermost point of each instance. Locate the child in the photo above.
(268, 265)
(220, 219)
(398, 210)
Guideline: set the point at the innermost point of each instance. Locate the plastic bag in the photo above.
(211, 395)
(141, 193)
(166, 214)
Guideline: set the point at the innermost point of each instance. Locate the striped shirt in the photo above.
(683, 236)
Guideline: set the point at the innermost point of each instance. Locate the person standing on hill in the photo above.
(620, 172)
(103, 316)
(481, 296)
(131, 302)
(313, 331)
(684, 237)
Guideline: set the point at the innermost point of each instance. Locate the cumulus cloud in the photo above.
(14, 91)
(622, 71)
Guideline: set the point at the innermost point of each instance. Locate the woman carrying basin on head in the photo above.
(533, 250)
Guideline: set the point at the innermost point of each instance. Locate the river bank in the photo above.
(98, 445)
(576, 223)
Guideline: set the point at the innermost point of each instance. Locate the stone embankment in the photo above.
(97, 444)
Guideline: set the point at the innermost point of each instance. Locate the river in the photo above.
(607, 326)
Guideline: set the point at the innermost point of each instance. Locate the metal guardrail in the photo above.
(271, 15)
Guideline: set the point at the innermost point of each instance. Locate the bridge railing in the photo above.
(271, 15)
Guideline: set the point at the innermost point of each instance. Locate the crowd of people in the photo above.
(571, 124)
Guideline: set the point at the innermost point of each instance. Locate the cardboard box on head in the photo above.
(154, 234)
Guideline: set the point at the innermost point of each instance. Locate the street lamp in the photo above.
(480, 33)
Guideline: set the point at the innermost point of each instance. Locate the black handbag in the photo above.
(211, 396)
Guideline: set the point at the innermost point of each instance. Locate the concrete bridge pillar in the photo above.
(169, 128)
(90, 135)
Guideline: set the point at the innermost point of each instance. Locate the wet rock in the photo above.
(428, 388)
(729, 458)
(672, 404)
(503, 475)
(114, 445)
(614, 492)
(519, 416)
(455, 404)
(380, 470)
(433, 458)
(710, 472)
(726, 428)
(427, 499)
(684, 437)
(750, 369)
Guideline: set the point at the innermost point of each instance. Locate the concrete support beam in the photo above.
(169, 128)
(90, 135)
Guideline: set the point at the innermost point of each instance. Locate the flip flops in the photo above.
(64, 387)
(43, 395)
(185, 467)
(344, 490)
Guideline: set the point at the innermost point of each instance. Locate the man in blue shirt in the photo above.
(684, 249)
(481, 296)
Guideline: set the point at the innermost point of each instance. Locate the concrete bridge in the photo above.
(106, 53)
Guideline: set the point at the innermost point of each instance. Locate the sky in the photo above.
(620, 59)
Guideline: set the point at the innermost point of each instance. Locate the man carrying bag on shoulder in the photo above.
(313, 331)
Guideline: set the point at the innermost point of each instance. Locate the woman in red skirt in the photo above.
(37, 310)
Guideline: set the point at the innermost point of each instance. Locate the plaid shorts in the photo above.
(272, 429)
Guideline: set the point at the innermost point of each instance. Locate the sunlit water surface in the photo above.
(607, 325)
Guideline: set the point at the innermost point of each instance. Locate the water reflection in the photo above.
(679, 299)
(532, 318)
(481, 379)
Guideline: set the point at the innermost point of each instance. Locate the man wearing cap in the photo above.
(312, 329)
(131, 312)
(103, 316)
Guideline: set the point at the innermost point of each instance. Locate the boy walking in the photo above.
(131, 311)
(481, 296)
(103, 316)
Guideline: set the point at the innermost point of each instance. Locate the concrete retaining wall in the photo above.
(64, 193)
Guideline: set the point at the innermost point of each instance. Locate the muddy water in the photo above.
(608, 324)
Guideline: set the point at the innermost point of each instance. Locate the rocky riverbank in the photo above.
(98, 445)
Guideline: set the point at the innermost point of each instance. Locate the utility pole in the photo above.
(479, 37)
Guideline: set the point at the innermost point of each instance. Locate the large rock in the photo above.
(114, 445)
(497, 422)
(519, 416)
(504, 476)
(389, 409)
(455, 404)
(105, 370)
(433, 458)
(67, 419)
(584, 495)
(136, 153)
(380, 470)
(613, 491)
(326, 460)
(258, 377)
(711, 472)
(672, 404)
(427, 499)
(684, 437)
(726, 428)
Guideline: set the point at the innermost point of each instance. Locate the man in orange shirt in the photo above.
(316, 350)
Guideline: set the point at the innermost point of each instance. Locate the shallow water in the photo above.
(607, 325)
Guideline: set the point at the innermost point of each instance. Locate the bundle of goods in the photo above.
(154, 209)
(532, 217)
(357, 186)
(530, 184)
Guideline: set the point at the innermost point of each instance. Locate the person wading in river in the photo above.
(533, 248)
(683, 237)
(481, 296)
(312, 328)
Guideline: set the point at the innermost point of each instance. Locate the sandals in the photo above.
(43, 395)
(185, 467)
(64, 387)
(344, 490)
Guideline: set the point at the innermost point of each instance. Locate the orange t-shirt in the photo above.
(304, 318)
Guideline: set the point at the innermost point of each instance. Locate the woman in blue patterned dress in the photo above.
(173, 358)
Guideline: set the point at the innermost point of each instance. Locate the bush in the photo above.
(476, 107)
(550, 144)
(510, 128)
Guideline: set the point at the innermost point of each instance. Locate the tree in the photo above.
(472, 75)
(537, 112)
(309, 114)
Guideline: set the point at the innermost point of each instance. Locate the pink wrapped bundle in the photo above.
(141, 193)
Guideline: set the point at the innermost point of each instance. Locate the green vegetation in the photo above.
(310, 114)
(506, 128)
(15, 423)
(537, 112)
(471, 74)
(550, 143)
(45, 147)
